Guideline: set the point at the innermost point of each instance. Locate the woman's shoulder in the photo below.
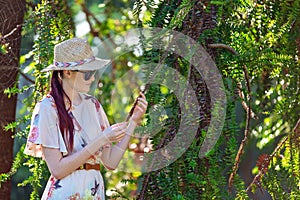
(89, 99)
(47, 102)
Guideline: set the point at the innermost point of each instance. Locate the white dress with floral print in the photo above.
(89, 120)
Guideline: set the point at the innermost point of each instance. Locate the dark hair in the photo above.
(66, 125)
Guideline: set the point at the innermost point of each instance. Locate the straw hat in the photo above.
(75, 54)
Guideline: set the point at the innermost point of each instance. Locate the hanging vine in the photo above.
(51, 22)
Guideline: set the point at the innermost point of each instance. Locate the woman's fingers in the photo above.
(143, 95)
(142, 103)
(140, 109)
(119, 126)
(116, 132)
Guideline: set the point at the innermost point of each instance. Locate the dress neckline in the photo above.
(81, 102)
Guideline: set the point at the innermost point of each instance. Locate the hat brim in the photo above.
(98, 63)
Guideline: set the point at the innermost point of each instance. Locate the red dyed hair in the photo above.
(66, 125)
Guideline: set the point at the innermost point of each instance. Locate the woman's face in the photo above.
(77, 80)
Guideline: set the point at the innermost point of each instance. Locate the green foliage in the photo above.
(51, 24)
(263, 33)
(284, 166)
(52, 27)
(19, 159)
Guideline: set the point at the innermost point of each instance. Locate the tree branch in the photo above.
(239, 85)
(94, 32)
(26, 77)
(249, 112)
(224, 46)
(87, 13)
(11, 32)
(258, 177)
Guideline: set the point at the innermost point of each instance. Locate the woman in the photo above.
(70, 130)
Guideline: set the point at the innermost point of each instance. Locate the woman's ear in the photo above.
(67, 73)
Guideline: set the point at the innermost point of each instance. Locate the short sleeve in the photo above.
(44, 129)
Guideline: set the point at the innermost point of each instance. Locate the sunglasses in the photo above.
(87, 74)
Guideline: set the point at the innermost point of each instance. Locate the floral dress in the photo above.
(89, 120)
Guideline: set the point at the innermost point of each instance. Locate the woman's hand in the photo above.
(116, 132)
(140, 109)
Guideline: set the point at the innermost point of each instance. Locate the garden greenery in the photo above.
(254, 46)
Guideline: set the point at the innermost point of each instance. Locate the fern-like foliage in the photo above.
(52, 25)
(264, 34)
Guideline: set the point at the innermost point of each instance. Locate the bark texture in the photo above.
(11, 20)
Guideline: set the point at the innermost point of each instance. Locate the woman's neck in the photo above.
(74, 97)
(72, 94)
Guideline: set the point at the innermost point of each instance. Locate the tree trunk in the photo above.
(196, 22)
(11, 18)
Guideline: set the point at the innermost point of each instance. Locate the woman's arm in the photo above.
(113, 155)
(60, 166)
